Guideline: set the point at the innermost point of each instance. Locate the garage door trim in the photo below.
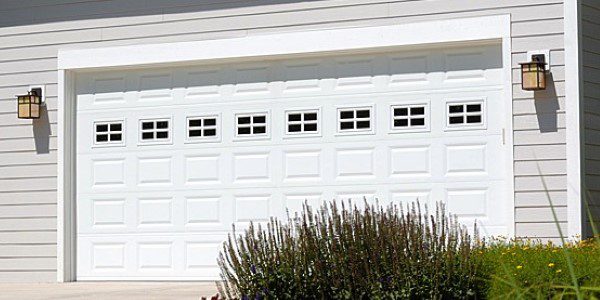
(285, 45)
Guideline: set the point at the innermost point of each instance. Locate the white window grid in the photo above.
(254, 127)
(464, 114)
(115, 132)
(208, 124)
(306, 126)
(415, 118)
(356, 121)
(155, 134)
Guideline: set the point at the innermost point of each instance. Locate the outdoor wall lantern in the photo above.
(533, 73)
(28, 106)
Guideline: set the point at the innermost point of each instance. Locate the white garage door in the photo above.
(168, 159)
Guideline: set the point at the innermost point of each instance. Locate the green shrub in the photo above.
(529, 270)
(341, 253)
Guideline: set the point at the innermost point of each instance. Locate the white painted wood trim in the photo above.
(508, 131)
(574, 113)
(297, 44)
(289, 44)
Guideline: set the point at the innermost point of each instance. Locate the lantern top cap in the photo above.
(29, 93)
(538, 59)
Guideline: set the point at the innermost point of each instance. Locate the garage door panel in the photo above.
(169, 158)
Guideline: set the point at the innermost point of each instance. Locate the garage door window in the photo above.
(108, 133)
(411, 117)
(355, 119)
(251, 125)
(302, 122)
(468, 114)
(202, 128)
(155, 131)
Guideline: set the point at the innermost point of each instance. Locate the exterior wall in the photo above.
(31, 36)
(590, 40)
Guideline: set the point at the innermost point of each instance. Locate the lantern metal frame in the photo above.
(536, 67)
(29, 105)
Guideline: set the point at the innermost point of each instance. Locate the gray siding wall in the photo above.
(590, 42)
(31, 32)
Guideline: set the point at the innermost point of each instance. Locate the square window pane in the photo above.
(401, 123)
(401, 111)
(417, 111)
(102, 138)
(473, 119)
(162, 124)
(162, 135)
(346, 125)
(363, 124)
(259, 129)
(456, 120)
(455, 109)
(147, 125)
(473, 107)
(294, 128)
(294, 117)
(195, 123)
(116, 137)
(310, 127)
(259, 119)
(347, 114)
(243, 130)
(363, 113)
(417, 122)
(102, 128)
(195, 133)
(116, 127)
(147, 135)
(243, 120)
(210, 132)
(210, 122)
(310, 116)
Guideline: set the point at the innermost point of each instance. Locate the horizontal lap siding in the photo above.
(28, 56)
(590, 29)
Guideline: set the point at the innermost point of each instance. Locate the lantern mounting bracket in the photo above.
(546, 53)
(40, 90)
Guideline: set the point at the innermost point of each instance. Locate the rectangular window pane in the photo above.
(417, 111)
(259, 119)
(403, 111)
(294, 117)
(363, 113)
(195, 123)
(294, 128)
(115, 127)
(147, 135)
(417, 122)
(456, 120)
(195, 133)
(243, 130)
(243, 120)
(401, 123)
(162, 135)
(346, 114)
(310, 117)
(210, 132)
(473, 119)
(363, 124)
(102, 128)
(346, 125)
(259, 129)
(115, 137)
(455, 108)
(147, 125)
(210, 122)
(162, 124)
(310, 127)
(102, 138)
(473, 107)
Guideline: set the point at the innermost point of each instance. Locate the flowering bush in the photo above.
(347, 253)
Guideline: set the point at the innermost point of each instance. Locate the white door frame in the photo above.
(284, 45)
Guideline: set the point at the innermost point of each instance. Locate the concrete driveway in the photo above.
(108, 290)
